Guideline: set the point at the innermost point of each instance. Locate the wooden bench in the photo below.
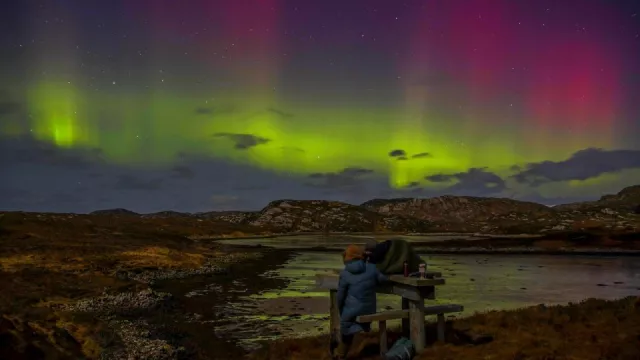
(383, 317)
(413, 291)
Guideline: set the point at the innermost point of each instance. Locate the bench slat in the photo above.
(404, 314)
(383, 316)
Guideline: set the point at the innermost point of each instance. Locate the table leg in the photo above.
(416, 320)
(405, 322)
(334, 320)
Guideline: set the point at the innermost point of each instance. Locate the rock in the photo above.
(123, 303)
(139, 343)
(150, 276)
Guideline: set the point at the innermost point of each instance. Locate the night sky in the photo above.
(201, 105)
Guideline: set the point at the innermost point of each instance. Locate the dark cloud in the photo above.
(413, 184)
(282, 113)
(475, 181)
(397, 152)
(183, 172)
(244, 141)
(356, 171)
(9, 107)
(32, 179)
(28, 150)
(438, 178)
(421, 155)
(204, 111)
(582, 165)
(128, 182)
(292, 149)
(217, 110)
(346, 178)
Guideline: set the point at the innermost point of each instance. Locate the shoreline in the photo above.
(373, 235)
(465, 251)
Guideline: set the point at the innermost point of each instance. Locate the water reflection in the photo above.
(479, 282)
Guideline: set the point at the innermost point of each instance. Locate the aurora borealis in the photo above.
(155, 104)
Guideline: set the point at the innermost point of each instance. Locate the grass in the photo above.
(59, 258)
(50, 259)
(593, 329)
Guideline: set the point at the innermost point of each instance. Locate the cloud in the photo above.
(128, 182)
(183, 172)
(217, 110)
(438, 178)
(475, 181)
(397, 153)
(291, 149)
(356, 171)
(402, 158)
(244, 141)
(9, 107)
(421, 155)
(582, 165)
(411, 185)
(282, 113)
(204, 111)
(28, 150)
(346, 178)
(38, 176)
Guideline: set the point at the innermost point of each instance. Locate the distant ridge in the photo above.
(415, 215)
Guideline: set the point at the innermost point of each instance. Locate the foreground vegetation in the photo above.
(592, 329)
(49, 261)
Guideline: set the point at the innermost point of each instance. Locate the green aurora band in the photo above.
(153, 129)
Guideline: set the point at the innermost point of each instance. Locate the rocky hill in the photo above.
(439, 214)
(625, 201)
(470, 214)
(457, 208)
(318, 215)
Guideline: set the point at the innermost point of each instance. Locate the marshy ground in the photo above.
(81, 286)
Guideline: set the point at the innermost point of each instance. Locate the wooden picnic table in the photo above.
(414, 291)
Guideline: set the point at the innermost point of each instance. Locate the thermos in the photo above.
(406, 269)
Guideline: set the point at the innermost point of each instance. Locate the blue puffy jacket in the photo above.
(357, 294)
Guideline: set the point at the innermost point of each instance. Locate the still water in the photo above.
(479, 282)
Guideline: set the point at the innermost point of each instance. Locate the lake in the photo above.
(479, 282)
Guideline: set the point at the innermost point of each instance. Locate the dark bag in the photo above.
(402, 349)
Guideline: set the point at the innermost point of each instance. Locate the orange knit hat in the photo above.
(353, 252)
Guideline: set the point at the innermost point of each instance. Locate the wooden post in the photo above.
(405, 322)
(334, 320)
(383, 337)
(441, 327)
(416, 321)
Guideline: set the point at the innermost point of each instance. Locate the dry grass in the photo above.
(593, 329)
(58, 258)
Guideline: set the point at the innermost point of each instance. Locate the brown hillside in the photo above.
(456, 208)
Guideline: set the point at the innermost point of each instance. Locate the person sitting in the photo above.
(356, 295)
(389, 256)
